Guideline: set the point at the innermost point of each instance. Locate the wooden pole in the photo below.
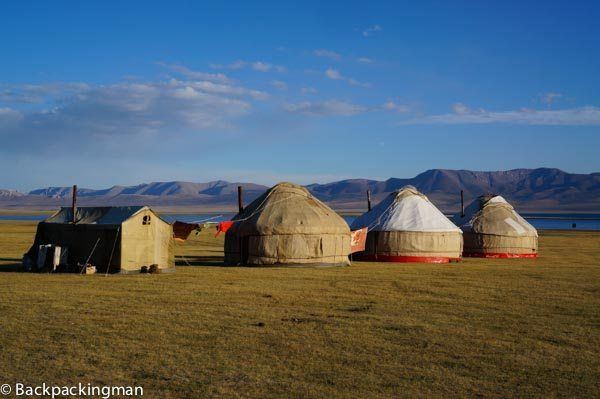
(462, 204)
(240, 199)
(369, 199)
(74, 204)
(113, 251)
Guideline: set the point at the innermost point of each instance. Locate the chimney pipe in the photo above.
(240, 199)
(369, 200)
(462, 204)
(74, 204)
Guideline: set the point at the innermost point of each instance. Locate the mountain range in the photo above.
(532, 190)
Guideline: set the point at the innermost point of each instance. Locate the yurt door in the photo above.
(244, 245)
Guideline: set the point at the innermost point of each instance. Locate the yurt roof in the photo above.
(494, 215)
(287, 208)
(405, 210)
(104, 215)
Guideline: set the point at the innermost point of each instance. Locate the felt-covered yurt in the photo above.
(493, 229)
(114, 239)
(407, 227)
(287, 226)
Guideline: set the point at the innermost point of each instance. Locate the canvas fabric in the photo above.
(135, 243)
(418, 244)
(491, 225)
(80, 241)
(406, 223)
(146, 244)
(95, 214)
(475, 243)
(287, 225)
(405, 210)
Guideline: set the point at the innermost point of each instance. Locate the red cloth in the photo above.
(182, 230)
(222, 227)
(358, 240)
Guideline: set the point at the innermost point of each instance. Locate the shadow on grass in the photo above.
(17, 266)
(202, 261)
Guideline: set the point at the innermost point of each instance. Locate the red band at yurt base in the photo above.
(499, 255)
(406, 259)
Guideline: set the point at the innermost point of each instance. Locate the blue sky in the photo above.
(108, 93)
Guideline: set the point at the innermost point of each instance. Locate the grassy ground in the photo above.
(492, 328)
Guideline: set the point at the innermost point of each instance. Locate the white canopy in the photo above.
(405, 210)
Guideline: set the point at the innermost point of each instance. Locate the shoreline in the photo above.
(538, 214)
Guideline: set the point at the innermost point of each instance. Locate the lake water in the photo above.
(541, 221)
(23, 217)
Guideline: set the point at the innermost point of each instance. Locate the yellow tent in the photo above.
(117, 239)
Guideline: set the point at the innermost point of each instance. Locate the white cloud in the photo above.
(460, 108)
(129, 109)
(279, 85)
(355, 82)
(7, 111)
(238, 64)
(9, 117)
(233, 65)
(333, 74)
(395, 107)
(337, 56)
(326, 108)
(371, 30)
(327, 54)
(584, 116)
(190, 74)
(38, 93)
(308, 90)
(216, 88)
(336, 75)
(550, 98)
(261, 66)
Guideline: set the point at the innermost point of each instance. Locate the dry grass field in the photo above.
(480, 328)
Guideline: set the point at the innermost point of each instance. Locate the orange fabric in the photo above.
(182, 230)
(358, 240)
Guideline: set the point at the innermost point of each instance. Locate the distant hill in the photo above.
(6, 194)
(178, 189)
(214, 195)
(541, 190)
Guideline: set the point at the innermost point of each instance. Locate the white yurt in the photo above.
(407, 227)
(493, 229)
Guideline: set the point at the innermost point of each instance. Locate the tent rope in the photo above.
(185, 260)
(258, 208)
(378, 220)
